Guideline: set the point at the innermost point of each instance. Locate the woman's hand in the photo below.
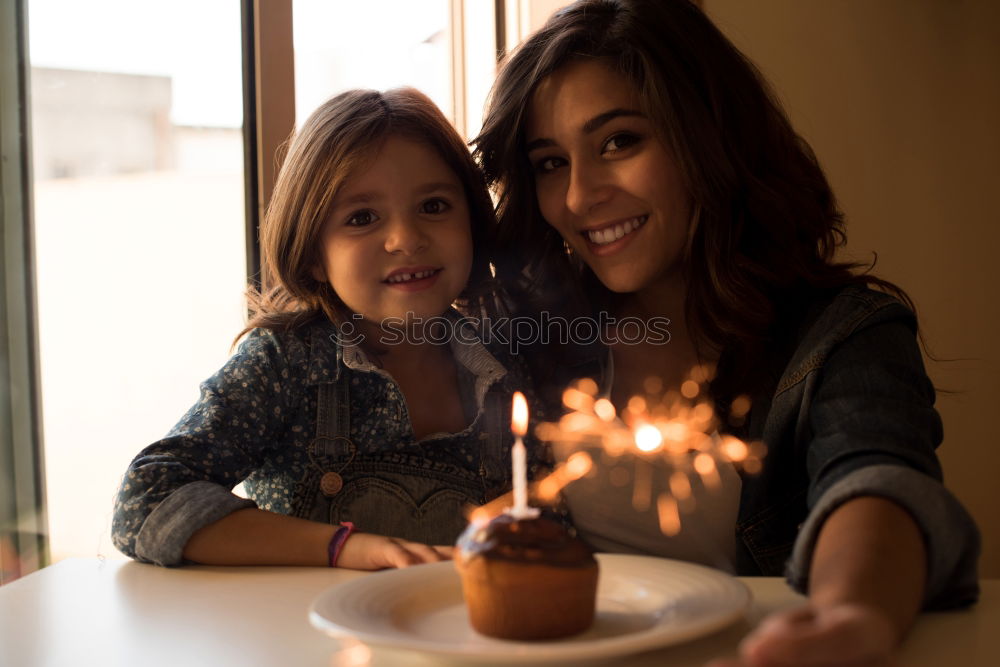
(840, 635)
(364, 551)
(866, 584)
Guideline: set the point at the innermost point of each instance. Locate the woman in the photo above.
(639, 158)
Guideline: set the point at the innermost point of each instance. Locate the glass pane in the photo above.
(341, 44)
(139, 232)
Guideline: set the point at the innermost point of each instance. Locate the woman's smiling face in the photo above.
(604, 180)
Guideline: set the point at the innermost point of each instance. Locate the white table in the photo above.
(84, 612)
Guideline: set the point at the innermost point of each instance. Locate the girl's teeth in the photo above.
(609, 234)
(405, 277)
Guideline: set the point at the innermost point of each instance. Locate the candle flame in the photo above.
(519, 417)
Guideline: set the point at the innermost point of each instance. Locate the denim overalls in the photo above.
(314, 429)
(403, 492)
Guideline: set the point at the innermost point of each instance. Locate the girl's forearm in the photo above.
(257, 537)
(870, 552)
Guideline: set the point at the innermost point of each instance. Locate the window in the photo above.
(445, 48)
(139, 214)
(136, 114)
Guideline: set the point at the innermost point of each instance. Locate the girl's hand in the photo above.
(364, 551)
(840, 635)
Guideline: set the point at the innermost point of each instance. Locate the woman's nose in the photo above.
(406, 237)
(588, 187)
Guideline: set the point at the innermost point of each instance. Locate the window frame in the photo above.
(23, 523)
(268, 109)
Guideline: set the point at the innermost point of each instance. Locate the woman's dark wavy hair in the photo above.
(340, 138)
(767, 224)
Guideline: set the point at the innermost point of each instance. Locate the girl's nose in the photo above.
(588, 187)
(406, 237)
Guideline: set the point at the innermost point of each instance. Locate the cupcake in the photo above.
(526, 579)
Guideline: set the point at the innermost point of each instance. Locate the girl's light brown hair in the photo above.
(339, 138)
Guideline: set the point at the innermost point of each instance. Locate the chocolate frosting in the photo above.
(537, 540)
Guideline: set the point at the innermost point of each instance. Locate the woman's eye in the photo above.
(548, 164)
(619, 142)
(435, 206)
(362, 218)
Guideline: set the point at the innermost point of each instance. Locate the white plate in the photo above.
(642, 603)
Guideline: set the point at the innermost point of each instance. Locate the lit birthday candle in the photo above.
(518, 455)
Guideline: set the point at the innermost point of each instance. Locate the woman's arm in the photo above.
(257, 537)
(866, 586)
(884, 538)
(871, 553)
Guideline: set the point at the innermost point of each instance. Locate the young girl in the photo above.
(359, 399)
(641, 163)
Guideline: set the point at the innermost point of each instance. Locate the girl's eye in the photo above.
(435, 206)
(619, 142)
(548, 164)
(362, 218)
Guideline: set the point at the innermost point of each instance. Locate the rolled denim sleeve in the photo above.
(183, 482)
(171, 524)
(949, 534)
(874, 431)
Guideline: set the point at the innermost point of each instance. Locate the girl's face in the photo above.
(398, 242)
(604, 180)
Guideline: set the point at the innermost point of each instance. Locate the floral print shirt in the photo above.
(257, 416)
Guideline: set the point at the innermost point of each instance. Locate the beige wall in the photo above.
(901, 101)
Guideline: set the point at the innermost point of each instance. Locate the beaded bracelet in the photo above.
(337, 542)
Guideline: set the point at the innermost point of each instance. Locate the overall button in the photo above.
(330, 484)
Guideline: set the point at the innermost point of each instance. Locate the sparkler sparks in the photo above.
(673, 433)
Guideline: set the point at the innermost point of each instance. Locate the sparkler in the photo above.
(676, 431)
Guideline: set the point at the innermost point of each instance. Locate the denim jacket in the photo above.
(848, 410)
(315, 430)
(853, 415)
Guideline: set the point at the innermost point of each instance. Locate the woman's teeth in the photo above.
(615, 232)
(406, 277)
